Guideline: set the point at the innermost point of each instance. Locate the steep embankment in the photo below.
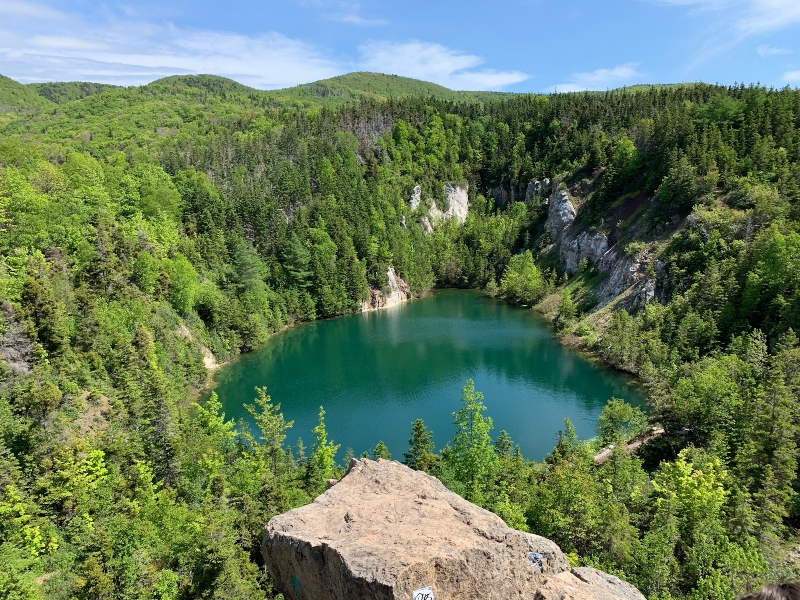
(623, 277)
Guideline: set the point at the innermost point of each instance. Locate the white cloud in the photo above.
(342, 11)
(136, 52)
(791, 76)
(601, 79)
(763, 16)
(355, 19)
(765, 51)
(437, 63)
(749, 16)
(129, 50)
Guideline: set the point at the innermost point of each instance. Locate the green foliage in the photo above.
(522, 281)
(619, 422)
(182, 283)
(567, 311)
(16, 97)
(381, 451)
(144, 227)
(472, 457)
(420, 455)
(321, 463)
(63, 92)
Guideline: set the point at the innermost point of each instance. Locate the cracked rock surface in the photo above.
(385, 530)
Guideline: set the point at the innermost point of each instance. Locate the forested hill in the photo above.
(147, 232)
(378, 86)
(332, 92)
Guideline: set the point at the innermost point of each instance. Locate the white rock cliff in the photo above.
(458, 206)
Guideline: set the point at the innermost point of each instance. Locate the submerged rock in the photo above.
(384, 531)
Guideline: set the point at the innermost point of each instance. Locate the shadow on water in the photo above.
(375, 373)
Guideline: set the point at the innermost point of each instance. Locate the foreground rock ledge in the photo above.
(385, 530)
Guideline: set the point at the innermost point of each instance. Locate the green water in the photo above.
(376, 372)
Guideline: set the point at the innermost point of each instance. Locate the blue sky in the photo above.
(510, 45)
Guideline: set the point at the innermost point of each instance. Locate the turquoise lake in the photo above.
(376, 372)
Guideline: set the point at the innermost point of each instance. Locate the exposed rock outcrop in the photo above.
(385, 530)
(399, 291)
(425, 223)
(536, 189)
(458, 204)
(560, 215)
(415, 198)
(457, 201)
(593, 246)
(209, 360)
(500, 196)
(16, 348)
(573, 246)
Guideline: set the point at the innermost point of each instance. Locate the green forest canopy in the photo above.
(144, 226)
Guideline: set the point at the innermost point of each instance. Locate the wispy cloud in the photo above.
(600, 79)
(762, 16)
(133, 51)
(697, 5)
(738, 20)
(342, 11)
(765, 51)
(791, 77)
(748, 16)
(30, 10)
(355, 19)
(434, 62)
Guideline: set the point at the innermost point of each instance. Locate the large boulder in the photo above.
(384, 531)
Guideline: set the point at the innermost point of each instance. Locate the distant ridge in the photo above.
(15, 97)
(335, 91)
(214, 84)
(332, 92)
(62, 92)
(381, 86)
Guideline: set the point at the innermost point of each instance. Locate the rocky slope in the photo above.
(398, 291)
(623, 274)
(385, 531)
(457, 206)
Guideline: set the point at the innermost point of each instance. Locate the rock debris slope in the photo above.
(385, 530)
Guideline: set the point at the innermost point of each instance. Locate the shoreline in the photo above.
(213, 366)
(562, 338)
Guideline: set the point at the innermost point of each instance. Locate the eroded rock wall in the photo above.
(458, 206)
(398, 291)
(573, 245)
